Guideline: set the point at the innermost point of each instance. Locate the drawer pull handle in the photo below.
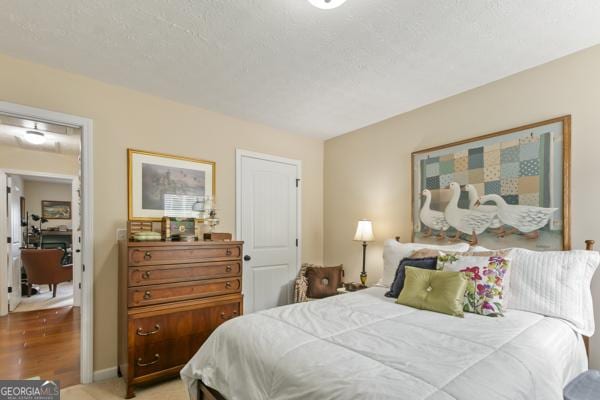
(147, 256)
(228, 268)
(228, 285)
(223, 316)
(228, 252)
(146, 275)
(141, 364)
(147, 295)
(141, 332)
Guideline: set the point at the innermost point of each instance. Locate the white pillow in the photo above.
(394, 251)
(555, 284)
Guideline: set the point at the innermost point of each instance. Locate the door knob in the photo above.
(247, 258)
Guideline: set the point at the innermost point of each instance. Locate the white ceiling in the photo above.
(290, 65)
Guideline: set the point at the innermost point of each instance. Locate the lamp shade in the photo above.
(364, 231)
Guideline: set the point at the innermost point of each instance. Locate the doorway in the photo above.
(268, 221)
(43, 214)
(53, 226)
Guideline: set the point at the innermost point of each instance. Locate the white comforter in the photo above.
(364, 346)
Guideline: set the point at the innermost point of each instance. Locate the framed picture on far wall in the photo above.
(500, 190)
(166, 185)
(56, 209)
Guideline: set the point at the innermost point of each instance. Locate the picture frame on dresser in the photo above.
(162, 185)
(172, 296)
(517, 180)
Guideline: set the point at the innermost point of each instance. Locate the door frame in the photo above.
(87, 222)
(239, 154)
(71, 179)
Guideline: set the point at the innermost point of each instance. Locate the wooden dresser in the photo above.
(172, 296)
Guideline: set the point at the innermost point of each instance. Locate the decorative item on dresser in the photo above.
(172, 296)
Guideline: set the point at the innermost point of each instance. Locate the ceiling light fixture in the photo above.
(35, 137)
(327, 4)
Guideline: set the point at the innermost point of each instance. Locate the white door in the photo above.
(76, 239)
(268, 224)
(15, 191)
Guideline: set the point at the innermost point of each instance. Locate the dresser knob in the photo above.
(141, 332)
(228, 268)
(227, 285)
(223, 315)
(141, 364)
(147, 295)
(147, 256)
(146, 275)
(228, 252)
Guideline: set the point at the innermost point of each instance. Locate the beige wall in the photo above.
(36, 191)
(367, 172)
(36, 161)
(124, 118)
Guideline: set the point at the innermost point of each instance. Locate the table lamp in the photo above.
(364, 233)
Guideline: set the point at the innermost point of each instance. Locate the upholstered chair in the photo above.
(44, 267)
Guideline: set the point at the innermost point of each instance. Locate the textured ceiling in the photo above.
(290, 65)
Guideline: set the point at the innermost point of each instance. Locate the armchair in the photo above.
(44, 267)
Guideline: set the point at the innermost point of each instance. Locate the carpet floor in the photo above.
(44, 300)
(114, 389)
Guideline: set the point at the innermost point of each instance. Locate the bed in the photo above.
(363, 345)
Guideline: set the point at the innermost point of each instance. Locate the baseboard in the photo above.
(104, 374)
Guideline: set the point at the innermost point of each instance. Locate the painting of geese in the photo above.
(471, 222)
(526, 219)
(503, 189)
(433, 219)
(474, 202)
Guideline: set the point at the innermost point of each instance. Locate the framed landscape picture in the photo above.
(56, 209)
(166, 185)
(504, 189)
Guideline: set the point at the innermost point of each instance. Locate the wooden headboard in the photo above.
(589, 245)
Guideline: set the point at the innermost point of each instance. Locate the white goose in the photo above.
(470, 222)
(526, 219)
(432, 219)
(473, 201)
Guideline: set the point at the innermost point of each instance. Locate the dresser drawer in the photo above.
(157, 274)
(167, 338)
(147, 295)
(159, 356)
(152, 327)
(181, 254)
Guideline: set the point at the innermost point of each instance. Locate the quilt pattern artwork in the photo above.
(503, 190)
(518, 170)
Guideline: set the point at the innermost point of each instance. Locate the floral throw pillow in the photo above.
(487, 278)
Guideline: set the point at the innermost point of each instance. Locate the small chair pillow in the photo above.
(438, 291)
(323, 281)
(398, 284)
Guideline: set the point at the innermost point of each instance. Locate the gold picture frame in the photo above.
(560, 144)
(143, 197)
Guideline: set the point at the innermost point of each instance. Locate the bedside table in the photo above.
(343, 290)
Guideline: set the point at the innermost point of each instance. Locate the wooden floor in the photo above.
(42, 343)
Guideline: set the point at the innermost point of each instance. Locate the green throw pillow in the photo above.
(438, 291)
